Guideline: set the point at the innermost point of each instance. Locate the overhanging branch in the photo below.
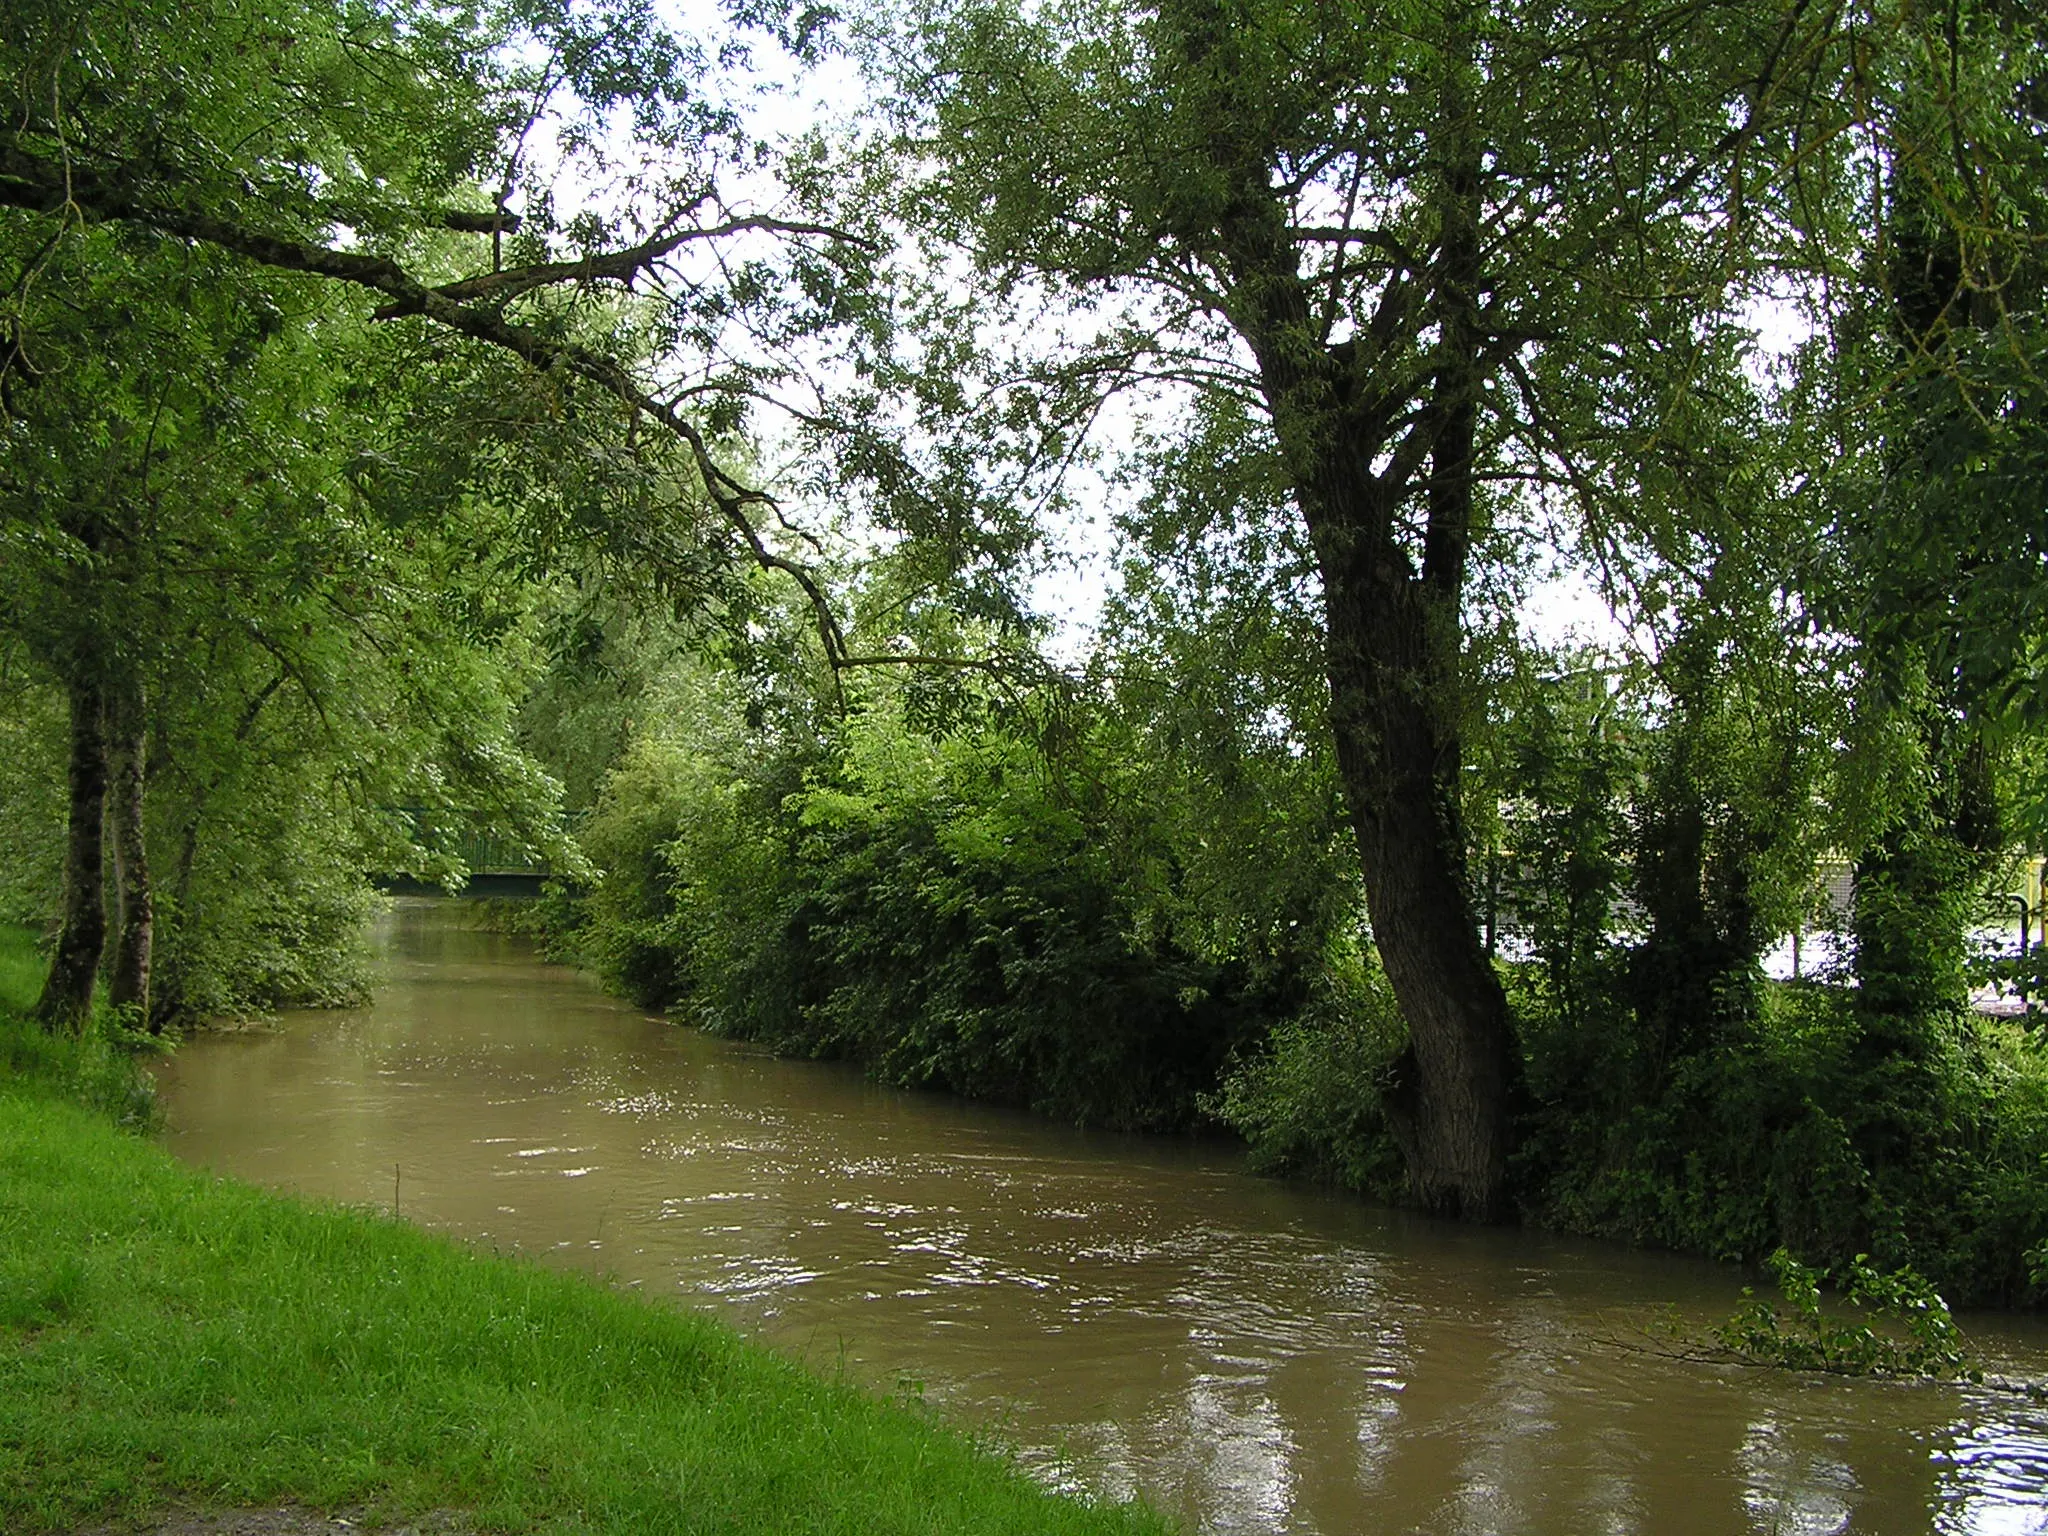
(29, 182)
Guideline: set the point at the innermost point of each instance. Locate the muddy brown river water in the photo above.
(1134, 1315)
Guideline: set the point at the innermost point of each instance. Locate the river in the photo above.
(1134, 1315)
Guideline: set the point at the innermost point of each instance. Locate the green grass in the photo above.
(167, 1337)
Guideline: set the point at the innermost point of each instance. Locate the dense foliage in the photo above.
(959, 910)
(1069, 923)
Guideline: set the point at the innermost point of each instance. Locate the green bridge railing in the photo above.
(484, 854)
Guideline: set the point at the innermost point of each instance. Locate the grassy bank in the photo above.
(171, 1338)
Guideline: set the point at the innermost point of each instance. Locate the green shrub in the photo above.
(1912, 1332)
(934, 908)
(1799, 1133)
(1308, 1100)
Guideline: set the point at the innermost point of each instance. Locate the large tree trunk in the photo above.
(67, 992)
(127, 745)
(1394, 692)
(1397, 697)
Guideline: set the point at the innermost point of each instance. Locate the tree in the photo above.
(381, 150)
(1928, 383)
(353, 143)
(1430, 252)
(270, 630)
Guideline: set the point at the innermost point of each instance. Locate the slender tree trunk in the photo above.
(167, 976)
(127, 745)
(67, 992)
(168, 981)
(1696, 974)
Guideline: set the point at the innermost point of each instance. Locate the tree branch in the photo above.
(615, 266)
(29, 182)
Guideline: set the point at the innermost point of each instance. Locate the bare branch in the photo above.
(497, 221)
(614, 266)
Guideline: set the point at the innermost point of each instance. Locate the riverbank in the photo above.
(169, 1339)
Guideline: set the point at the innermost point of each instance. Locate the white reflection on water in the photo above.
(1246, 1447)
(1790, 1491)
(1992, 1481)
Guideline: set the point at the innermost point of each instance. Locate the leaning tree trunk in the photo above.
(1340, 411)
(67, 993)
(1396, 639)
(128, 984)
(1393, 666)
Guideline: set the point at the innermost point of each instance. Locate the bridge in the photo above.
(499, 869)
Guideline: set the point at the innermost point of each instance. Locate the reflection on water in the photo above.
(1135, 1315)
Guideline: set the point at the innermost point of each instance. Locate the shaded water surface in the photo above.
(1135, 1315)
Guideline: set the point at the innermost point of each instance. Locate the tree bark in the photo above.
(1394, 670)
(127, 746)
(67, 992)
